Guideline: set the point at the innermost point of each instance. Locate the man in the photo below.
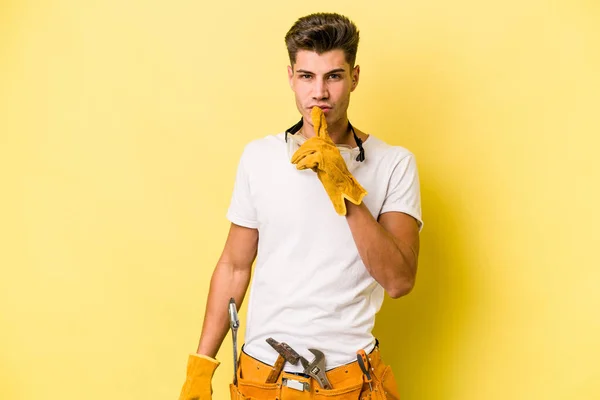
(332, 216)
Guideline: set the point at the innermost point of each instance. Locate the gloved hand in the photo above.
(320, 154)
(200, 370)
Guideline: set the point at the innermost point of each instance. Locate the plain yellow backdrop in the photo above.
(121, 124)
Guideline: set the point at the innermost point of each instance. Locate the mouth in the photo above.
(322, 107)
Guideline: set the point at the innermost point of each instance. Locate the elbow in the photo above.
(401, 288)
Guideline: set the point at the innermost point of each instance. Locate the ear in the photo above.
(355, 77)
(290, 71)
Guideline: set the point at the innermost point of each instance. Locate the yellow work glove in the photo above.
(200, 370)
(320, 154)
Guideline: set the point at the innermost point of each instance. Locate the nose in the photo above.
(320, 91)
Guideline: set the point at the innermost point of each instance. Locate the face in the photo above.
(324, 80)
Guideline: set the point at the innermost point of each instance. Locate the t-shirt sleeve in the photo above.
(241, 209)
(403, 192)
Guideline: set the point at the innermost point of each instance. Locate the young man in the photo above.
(332, 216)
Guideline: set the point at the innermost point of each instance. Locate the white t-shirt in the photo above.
(310, 288)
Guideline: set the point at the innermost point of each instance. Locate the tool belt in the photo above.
(347, 381)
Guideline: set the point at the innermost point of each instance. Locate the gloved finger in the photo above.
(314, 144)
(299, 157)
(311, 161)
(302, 152)
(319, 122)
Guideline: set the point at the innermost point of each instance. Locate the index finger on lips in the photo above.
(319, 122)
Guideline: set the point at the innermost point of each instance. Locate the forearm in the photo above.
(227, 282)
(390, 262)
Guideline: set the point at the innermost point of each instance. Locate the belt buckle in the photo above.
(296, 385)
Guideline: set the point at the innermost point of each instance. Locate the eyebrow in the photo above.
(329, 72)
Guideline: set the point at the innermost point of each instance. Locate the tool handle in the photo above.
(320, 376)
(363, 362)
(324, 382)
(276, 371)
(234, 321)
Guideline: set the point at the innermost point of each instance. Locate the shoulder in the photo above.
(257, 149)
(265, 143)
(387, 153)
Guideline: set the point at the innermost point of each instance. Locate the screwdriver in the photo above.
(363, 362)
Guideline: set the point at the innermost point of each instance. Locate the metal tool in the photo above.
(363, 362)
(234, 323)
(286, 353)
(316, 368)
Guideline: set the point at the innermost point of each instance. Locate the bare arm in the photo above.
(230, 279)
(389, 247)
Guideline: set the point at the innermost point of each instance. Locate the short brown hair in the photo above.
(322, 32)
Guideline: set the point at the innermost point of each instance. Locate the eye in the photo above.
(335, 76)
(305, 76)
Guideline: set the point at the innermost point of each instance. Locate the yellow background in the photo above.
(121, 126)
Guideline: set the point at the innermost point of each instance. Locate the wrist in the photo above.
(207, 347)
(205, 357)
(354, 210)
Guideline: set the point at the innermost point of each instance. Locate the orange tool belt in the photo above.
(348, 382)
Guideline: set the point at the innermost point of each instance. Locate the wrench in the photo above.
(316, 368)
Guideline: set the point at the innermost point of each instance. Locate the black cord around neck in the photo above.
(361, 154)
